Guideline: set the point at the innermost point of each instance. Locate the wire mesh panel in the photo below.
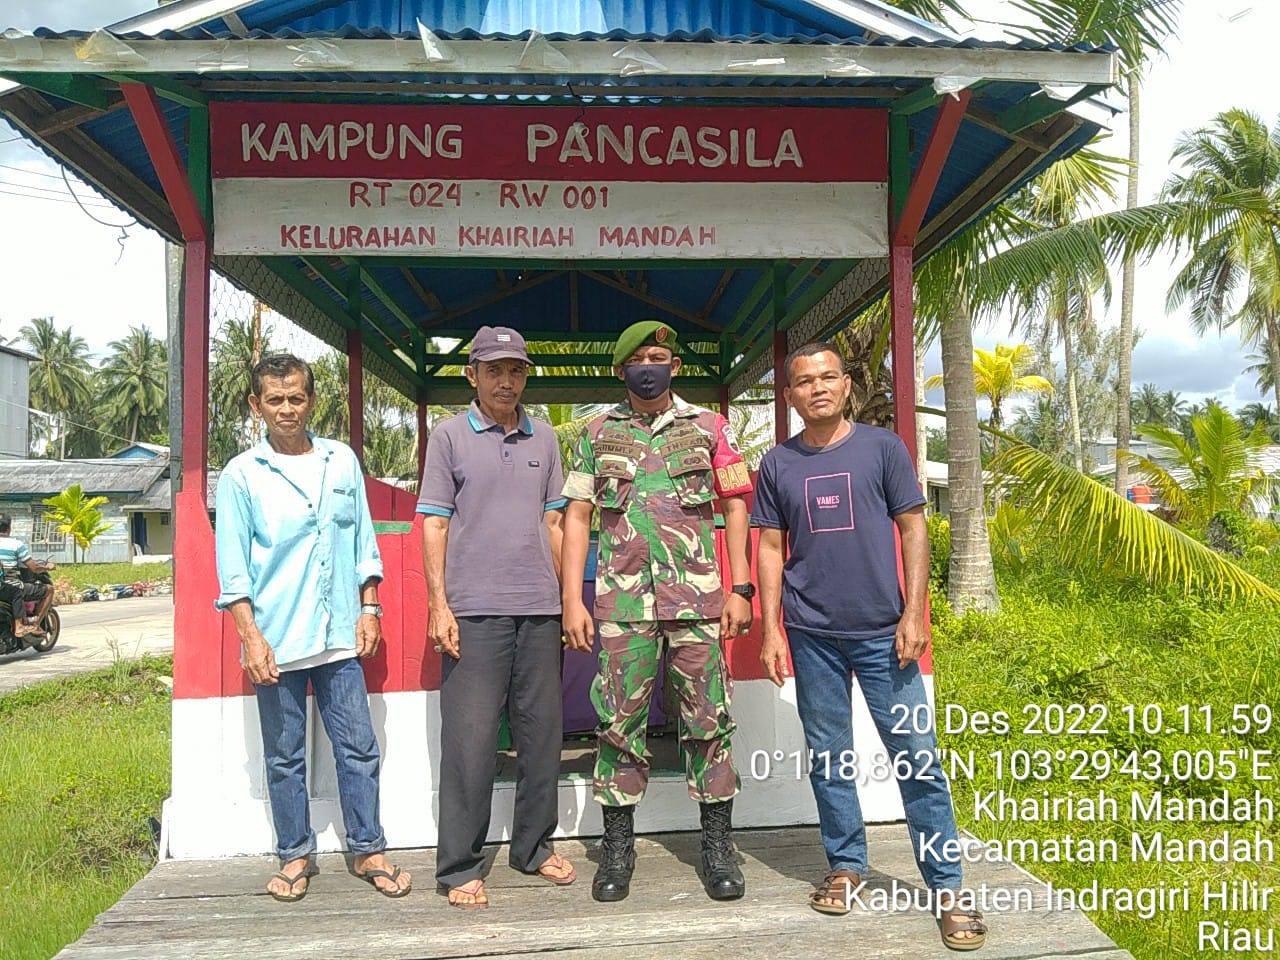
(243, 330)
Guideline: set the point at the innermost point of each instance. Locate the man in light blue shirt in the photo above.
(299, 570)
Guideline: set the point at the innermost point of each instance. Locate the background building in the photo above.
(14, 400)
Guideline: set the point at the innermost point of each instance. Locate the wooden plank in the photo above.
(674, 309)
(425, 295)
(213, 909)
(29, 111)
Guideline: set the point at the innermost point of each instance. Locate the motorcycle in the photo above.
(51, 624)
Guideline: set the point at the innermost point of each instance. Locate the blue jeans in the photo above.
(824, 698)
(344, 710)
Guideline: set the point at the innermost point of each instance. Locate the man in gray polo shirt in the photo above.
(491, 536)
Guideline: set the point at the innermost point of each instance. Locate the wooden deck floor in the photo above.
(216, 909)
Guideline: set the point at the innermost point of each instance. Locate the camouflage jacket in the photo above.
(654, 480)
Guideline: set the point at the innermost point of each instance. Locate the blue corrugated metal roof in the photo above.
(843, 18)
(468, 294)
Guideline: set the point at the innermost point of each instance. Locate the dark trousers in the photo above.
(511, 662)
(15, 607)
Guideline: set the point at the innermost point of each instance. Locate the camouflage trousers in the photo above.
(630, 654)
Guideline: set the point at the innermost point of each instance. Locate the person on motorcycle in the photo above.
(14, 556)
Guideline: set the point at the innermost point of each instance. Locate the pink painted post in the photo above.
(355, 391)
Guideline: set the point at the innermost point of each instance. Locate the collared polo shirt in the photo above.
(298, 558)
(495, 486)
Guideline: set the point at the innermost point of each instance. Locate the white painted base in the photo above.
(219, 806)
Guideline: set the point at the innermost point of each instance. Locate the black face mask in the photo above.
(648, 381)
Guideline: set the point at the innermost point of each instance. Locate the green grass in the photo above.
(84, 762)
(99, 574)
(1090, 640)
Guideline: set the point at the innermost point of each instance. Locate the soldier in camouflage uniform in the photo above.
(653, 465)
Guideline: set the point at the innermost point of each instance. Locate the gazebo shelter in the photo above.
(396, 173)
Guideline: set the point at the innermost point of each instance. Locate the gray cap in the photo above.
(497, 343)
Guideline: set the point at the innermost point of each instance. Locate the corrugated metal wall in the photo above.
(14, 375)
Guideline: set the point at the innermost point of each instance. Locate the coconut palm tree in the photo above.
(977, 269)
(1042, 426)
(1000, 375)
(1060, 311)
(1260, 369)
(235, 348)
(60, 376)
(1146, 405)
(1093, 525)
(1255, 416)
(135, 381)
(1219, 468)
(1227, 198)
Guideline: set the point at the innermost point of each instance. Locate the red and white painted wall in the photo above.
(218, 806)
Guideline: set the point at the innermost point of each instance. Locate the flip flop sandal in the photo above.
(838, 885)
(558, 861)
(370, 876)
(306, 873)
(971, 922)
(477, 892)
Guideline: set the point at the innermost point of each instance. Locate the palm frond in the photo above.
(1093, 523)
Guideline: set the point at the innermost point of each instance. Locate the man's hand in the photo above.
(442, 630)
(911, 638)
(368, 635)
(736, 617)
(773, 654)
(260, 661)
(579, 628)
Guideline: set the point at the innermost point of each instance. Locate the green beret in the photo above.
(641, 333)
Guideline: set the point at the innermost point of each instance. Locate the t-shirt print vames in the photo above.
(829, 499)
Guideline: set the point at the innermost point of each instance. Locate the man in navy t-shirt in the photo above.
(837, 491)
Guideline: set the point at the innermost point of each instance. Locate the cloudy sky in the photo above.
(56, 260)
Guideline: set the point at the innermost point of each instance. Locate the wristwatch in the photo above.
(747, 590)
(372, 609)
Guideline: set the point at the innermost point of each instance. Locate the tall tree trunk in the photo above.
(1124, 379)
(1273, 357)
(922, 435)
(1073, 400)
(972, 580)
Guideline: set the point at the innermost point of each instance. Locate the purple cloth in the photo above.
(580, 670)
(837, 506)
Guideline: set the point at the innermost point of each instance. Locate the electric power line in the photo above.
(34, 173)
(66, 422)
(123, 228)
(49, 190)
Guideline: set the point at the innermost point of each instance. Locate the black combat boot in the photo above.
(617, 855)
(720, 874)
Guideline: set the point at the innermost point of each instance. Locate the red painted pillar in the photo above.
(724, 402)
(195, 366)
(781, 420)
(422, 436)
(902, 313)
(355, 391)
(901, 259)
